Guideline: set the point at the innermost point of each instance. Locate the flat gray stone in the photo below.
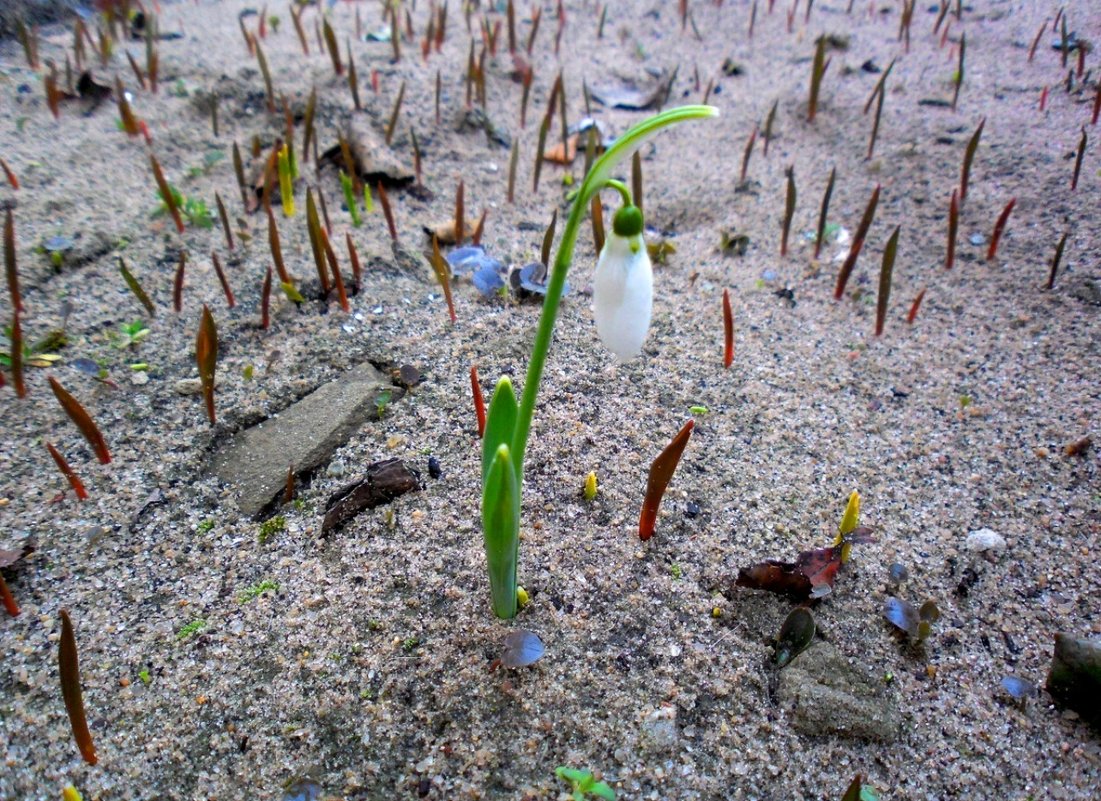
(823, 694)
(304, 435)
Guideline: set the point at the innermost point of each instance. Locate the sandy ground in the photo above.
(368, 668)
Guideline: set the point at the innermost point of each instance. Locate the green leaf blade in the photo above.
(501, 529)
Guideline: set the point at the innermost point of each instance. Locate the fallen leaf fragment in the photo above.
(385, 481)
(557, 154)
(811, 575)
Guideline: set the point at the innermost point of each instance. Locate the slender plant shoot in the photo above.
(479, 401)
(820, 234)
(953, 230)
(915, 306)
(166, 194)
(1078, 160)
(818, 70)
(959, 71)
(745, 156)
(224, 217)
(789, 210)
(999, 229)
(1055, 260)
(857, 245)
(265, 301)
(16, 348)
(68, 472)
(82, 420)
(387, 212)
(230, 300)
(7, 599)
(136, 288)
(969, 158)
(661, 473)
(206, 357)
(885, 271)
(443, 275)
(69, 669)
(10, 268)
(728, 331)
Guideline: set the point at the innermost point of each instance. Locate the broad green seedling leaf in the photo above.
(501, 526)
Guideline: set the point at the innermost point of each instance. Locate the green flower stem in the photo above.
(598, 178)
(619, 186)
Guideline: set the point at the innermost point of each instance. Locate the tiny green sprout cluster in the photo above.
(583, 784)
(130, 334)
(192, 628)
(269, 528)
(622, 298)
(256, 590)
(194, 209)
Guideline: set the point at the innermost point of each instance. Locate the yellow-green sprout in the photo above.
(849, 521)
(590, 486)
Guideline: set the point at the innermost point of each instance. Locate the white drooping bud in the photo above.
(623, 288)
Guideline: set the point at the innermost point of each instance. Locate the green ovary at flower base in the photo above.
(622, 294)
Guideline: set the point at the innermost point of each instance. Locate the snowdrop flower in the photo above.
(623, 289)
(622, 300)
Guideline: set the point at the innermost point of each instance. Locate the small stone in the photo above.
(434, 467)
(659, 729)
(139, 378)
(189, 386)
(985, 539)
(978, 239)
(408, 376)
(336, 468)
(823, 694)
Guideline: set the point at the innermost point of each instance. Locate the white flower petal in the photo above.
(623, 295)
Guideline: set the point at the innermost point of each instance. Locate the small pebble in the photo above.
(336, 468)
(978, 239)
(189, 386)
(985, 539)
(434, 467)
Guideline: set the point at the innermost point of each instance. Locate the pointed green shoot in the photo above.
(500, 423)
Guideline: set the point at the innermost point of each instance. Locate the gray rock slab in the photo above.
(823, 694)
(1075, 677)
(254, 463)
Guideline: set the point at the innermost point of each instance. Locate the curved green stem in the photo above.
(620, 187)
(599, 177)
